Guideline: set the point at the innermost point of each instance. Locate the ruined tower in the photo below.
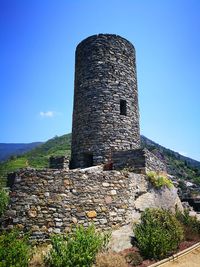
(105, 114)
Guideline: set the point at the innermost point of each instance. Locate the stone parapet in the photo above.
(138, 160)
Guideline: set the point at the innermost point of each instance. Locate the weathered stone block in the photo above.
(91, 214)
(113, 192)
(32, 213)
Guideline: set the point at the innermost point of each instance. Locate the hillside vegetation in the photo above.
(37, 157)
(178, 165)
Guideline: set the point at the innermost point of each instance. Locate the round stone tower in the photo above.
(105, 115)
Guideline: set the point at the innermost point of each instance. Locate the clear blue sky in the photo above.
(37, 45)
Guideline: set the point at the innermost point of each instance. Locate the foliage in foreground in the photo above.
(79, 248)
(190, 224)
(14, 250)
(159, 179)
(4, 199)
(159, 233)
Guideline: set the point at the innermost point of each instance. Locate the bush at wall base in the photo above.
(14, 250)
(79, 248)
(159, 234)
(191, 225)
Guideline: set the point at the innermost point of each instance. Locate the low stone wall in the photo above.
(139, 160)
(52, 201)
(46, 201)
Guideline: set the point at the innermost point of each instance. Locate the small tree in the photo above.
(159, 233)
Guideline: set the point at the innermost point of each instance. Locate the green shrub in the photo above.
(191, 225)
(159, 179)
(183, 217)
(159, 233)
(14, 250)
(79, 248)
(4, 199)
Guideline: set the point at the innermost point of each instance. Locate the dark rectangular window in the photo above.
(88, 160)
(123, 107)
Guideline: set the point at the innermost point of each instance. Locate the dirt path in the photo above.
(191, 259)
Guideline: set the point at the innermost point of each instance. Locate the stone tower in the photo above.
(105, 114)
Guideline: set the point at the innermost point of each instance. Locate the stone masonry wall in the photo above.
(52, 201)
(59, 162)
(105, 74)
(139, 160)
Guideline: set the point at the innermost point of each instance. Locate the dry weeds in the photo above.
(110, 259)
(38, 255)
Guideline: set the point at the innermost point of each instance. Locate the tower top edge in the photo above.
(104, 35)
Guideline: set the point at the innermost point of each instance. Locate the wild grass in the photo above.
(159, 180)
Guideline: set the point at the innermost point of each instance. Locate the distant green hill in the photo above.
(37, 157)
(178, 165)
(7, 150)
